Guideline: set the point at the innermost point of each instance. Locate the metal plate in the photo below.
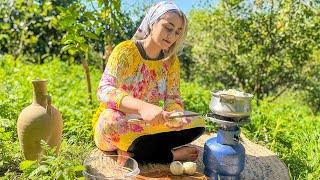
(232, 114)
(240, 122)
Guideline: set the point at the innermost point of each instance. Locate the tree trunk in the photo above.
(84, 62)
(257, 86)
(16, 53)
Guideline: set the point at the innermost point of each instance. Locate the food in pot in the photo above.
(233, 92)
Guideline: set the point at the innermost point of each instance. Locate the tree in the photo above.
(79, 31)
(28, 28)
(93, 30)
(260, 47)
(112, 26)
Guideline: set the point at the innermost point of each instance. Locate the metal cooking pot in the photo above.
(230, 105)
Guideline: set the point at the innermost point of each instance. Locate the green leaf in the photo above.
(41, 169)
(5, 26)
(69, 41)
(73, 51)
(67, 47)
(99, 30)
(59, 175)
(84, 47)
(79, 39)
(26, 164)
(67, 37)
(48, 18)
(4, 36)
(90, 35)
(100, 3)
(88, 15)
(78, 168)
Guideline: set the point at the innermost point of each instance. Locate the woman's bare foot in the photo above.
(185, 153)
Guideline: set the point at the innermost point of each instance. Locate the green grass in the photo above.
(286, 126)
(67, 86)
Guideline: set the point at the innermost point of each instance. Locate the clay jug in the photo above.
(39, 121)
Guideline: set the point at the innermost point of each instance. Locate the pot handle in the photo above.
(226, 98)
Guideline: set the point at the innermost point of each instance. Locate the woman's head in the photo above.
(166, 25)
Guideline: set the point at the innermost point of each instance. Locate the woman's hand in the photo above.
(153, 114)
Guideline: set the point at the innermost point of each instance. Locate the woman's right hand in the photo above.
(153, 114)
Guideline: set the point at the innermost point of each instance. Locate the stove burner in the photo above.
(227, 122)
(225, 118)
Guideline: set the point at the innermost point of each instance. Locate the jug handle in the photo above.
(49, 109)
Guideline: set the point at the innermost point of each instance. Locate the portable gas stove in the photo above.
(224, 155)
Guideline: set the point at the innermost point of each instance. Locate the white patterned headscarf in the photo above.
(153, 14)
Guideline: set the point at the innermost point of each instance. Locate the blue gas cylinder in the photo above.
(224, 156)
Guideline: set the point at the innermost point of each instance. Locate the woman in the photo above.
(140, 73)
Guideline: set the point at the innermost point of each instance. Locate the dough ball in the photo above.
(176, 168)
(189, 168)
(177, 114)
(176, 122)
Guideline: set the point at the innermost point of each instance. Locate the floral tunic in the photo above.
(127, 73)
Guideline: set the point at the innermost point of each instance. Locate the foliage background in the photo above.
(269, 48)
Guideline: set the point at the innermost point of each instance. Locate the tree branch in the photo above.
(279, 94)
